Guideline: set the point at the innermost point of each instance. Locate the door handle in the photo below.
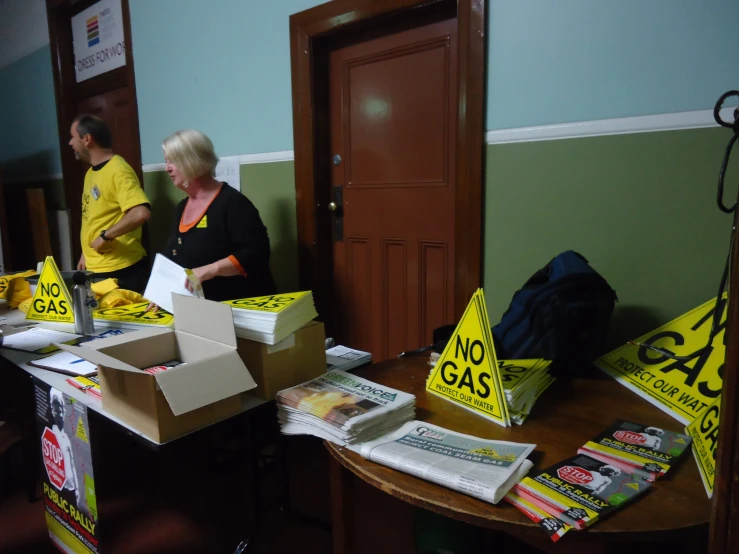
(335, 206)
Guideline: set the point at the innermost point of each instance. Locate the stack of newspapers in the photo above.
(270, 319)
(523, 383)
(343, 408)
(483, 468)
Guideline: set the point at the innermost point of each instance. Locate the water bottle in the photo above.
(83, 301)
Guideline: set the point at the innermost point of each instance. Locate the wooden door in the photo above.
(114, 107)
(392, 103)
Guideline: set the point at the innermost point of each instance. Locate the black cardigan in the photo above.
(231, 226)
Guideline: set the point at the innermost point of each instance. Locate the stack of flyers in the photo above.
(648, 452)
(580, 490)
(523, 382)
(270, 319)
(89, 384)
(551, 525)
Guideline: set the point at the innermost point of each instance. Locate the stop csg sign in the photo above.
(53, 458)
(575, 475)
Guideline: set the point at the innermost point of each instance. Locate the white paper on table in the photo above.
(166, 278)
(36, 338)
(67, 362)
(227, 171)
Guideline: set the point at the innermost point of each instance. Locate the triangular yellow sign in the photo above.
(467, 371)
(51, 301)
(81, 433)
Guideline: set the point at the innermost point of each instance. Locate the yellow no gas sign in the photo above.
(683, 389)
(51, 301)
(467, 371)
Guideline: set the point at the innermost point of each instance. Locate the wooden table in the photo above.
(565, 417)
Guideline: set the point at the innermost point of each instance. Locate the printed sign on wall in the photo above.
(97, 33)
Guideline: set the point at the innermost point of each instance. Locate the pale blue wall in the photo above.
(29, 141)
(557, 61)
(223, 66)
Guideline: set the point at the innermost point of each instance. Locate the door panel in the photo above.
(392, 108)
(114, 107)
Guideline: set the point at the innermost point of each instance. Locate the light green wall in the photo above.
(640, 207)
(270, 186)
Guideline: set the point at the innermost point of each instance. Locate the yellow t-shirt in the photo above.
(108, 194)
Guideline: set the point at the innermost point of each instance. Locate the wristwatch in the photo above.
(102, 236)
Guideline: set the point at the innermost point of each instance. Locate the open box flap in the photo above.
(98, 358)
(204, 318)
(191, 386)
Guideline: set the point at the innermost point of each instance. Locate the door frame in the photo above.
(310, 33)
(68, 93)
(724, 534)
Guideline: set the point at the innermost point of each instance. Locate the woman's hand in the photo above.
(203, 273)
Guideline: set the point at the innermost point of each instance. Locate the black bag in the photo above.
(562, 313)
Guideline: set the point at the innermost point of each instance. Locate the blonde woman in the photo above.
(217, 231)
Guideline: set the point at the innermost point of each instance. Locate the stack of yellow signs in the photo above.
(51, 301)
(270, 319)
(523, 382)
(467, 371)
(132, 316)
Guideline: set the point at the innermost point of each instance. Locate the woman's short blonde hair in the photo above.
(192, 152)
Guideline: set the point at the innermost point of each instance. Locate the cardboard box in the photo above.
(168, 404)
(294, 360)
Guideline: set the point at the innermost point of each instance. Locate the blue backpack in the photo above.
(562, 313)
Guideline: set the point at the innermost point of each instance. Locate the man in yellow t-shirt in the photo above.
(114, 207)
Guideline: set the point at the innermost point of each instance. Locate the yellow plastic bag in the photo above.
(101, 288)
(120, 297)
(7, 281)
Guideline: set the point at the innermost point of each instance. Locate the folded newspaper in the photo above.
(343, 408)
(483, 468)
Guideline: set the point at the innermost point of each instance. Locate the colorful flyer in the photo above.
(68, 480)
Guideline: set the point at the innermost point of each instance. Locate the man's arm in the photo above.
(131, 220)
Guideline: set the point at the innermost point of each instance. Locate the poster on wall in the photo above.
(97, 33)
(68, 482)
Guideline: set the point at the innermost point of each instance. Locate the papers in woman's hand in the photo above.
(166, 278)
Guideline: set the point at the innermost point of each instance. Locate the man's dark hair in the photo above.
(95, 127)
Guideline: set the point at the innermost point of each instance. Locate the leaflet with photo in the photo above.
(646, 451)
(553, 527)
(580, 490)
